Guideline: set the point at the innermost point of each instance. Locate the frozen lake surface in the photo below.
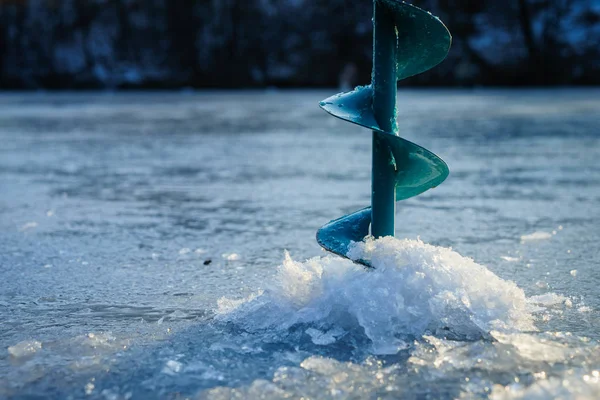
(142, 241)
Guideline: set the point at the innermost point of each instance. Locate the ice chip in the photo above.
(28, 226)
(548, 299)
(178, 314)
(172, 367)
(25, 348)
(534, 348)
(230, 256)
(538, 235)
(324, 338)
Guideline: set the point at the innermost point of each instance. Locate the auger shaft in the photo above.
(383, 184)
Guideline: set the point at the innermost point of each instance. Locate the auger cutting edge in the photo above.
(406, 42)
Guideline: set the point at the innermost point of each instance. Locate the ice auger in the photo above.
(406, 41)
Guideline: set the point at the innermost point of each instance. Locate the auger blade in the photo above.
(337, 235)
(417, 169)
(423, 40)
(355, 106)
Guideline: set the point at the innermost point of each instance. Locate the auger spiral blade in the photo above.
(407, 41)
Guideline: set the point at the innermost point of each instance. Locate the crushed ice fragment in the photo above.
(25, 348)
(183, 251)
(177, 314)
(226, 306)
(542, 285)
(548, 299)
(539, 235)
(573, 272)
(230, 256)
(172, 367)
(324, 338)
(510, 259)
(321, 365)
(89, 388)
(568, 303)
(110, 394)
(27, 226)
(534, 348)
(98, 340)
(571, 386)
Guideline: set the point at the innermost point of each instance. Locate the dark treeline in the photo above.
(256, 43)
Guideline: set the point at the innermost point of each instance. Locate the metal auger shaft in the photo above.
(406, 42)
(383, 181)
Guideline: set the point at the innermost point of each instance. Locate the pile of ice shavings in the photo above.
(414, 289)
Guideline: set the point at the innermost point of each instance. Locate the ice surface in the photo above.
(135, 178)
(415, 288)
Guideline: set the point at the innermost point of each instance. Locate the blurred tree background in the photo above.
(71, 44)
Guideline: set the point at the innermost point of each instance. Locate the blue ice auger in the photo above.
(406, 42)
